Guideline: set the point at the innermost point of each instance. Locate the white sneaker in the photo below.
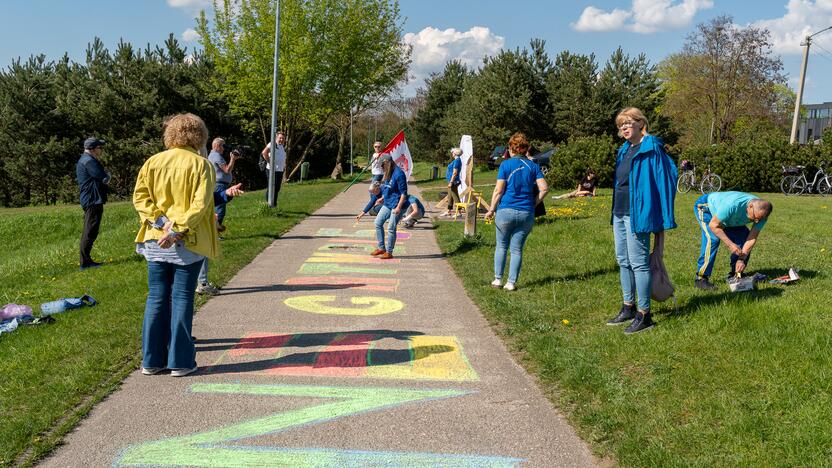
(509, 286)
(182, 372)
(497, 283)
(152, 370)
(207, 288)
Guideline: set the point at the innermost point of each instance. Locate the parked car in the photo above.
(500, 153)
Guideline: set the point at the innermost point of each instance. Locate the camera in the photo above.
(242, 151)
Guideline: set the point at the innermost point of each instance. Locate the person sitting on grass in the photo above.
(394, 194)
(722, 216)
(414, 213)
(586, 187)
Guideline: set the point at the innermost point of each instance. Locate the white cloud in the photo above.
(802, 18)
(190, 5)
(593, 19)
(433, 48)
(190, 35)
(644, 16)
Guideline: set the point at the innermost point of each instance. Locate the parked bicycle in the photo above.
(794, 181)
(709, 182)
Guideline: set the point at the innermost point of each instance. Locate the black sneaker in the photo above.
(627, 313)
(642, 322)
(703, 283)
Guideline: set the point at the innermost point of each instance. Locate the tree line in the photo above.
(724, 86)
(336, 56)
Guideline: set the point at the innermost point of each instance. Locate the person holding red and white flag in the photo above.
(398, 150)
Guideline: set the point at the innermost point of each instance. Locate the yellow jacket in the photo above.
(179, 184)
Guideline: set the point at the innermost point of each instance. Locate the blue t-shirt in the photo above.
(455, 164)
(394, 188)
(622, 182)
(217, 160)
(521, 176)
(730, 208)
(413, 200)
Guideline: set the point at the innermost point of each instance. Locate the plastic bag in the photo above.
(663, 288)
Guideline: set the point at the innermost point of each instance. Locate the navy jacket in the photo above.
(652, 186)
(92, 181)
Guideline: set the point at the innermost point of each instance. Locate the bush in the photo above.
(572, 159)
(756, 166)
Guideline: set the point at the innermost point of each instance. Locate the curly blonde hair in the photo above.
(185, 130)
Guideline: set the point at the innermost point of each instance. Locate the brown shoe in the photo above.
(377, 252)
(386, 256)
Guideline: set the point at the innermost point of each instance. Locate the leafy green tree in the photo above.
(629, 82)
(506, 96)
(440, 93)
(573, 98)
(723, 73)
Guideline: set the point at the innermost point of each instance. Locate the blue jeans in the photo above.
(383, 215)
(220, 209)
(168, 316)
(203, 272)
(513, 227)
(710, 242)
(632, 250)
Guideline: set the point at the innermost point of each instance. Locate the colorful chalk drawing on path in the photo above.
(381, 354)
(364, 284)
(334, 257)
(319, 304)
(365, 233)
(214, 449)
(332, 268)
(365, 247)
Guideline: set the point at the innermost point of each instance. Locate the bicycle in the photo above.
(710, 182)
(794, 181)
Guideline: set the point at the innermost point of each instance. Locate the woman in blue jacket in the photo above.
(643, 198)
(394, 194)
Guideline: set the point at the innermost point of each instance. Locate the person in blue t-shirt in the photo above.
(394, 194)
(453, 175)
(514, 200)
(642, 203)
(723, 216)
(374, 204)
(415, 212)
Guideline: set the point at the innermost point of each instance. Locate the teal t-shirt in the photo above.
(730, 208)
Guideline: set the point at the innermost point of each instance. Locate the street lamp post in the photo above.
(799, 101)
(272, 152)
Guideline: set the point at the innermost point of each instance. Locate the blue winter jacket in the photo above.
(652, 186)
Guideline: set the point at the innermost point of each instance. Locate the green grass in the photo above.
(730, 379)
(51, 375)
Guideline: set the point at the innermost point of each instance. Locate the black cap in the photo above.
(93, 143)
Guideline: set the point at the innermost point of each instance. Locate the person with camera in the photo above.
(223, 172)
(92, 183)
(279, 163)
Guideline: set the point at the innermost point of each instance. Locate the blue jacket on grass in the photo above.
(653, 178)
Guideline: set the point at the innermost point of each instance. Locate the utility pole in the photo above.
(350, 140)
(799, 101)
(272, 152)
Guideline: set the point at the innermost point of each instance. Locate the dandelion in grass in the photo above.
(565, 322)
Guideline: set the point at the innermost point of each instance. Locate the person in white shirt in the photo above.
(375, 165)
(279, 163)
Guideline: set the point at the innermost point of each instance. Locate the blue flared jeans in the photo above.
(168, 316)
(385, 214)
(513, 228)
(632, 251)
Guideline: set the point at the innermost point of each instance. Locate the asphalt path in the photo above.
(317, 354)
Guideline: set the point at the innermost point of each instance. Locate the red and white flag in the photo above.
(397, 148)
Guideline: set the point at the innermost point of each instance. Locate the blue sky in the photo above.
(443, 29)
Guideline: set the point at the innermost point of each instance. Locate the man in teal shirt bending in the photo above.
(723, 216)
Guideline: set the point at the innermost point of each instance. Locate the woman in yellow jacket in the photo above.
(174, 197)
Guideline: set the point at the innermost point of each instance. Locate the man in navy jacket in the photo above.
(92, 183)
